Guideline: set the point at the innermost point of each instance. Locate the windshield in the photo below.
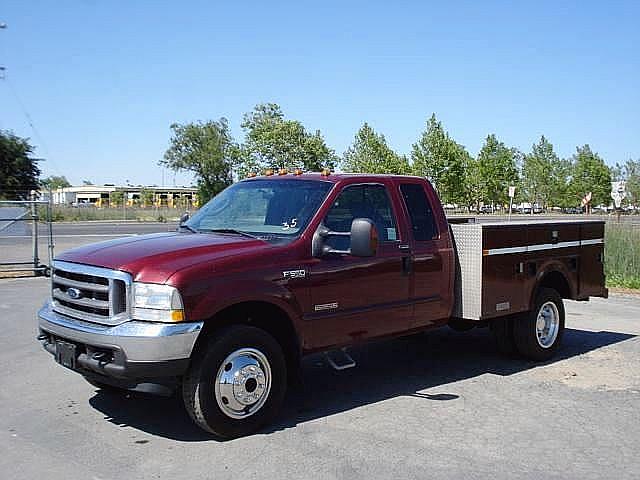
(267, 209)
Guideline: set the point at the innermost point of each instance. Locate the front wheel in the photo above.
(236, 382)
(538, 333)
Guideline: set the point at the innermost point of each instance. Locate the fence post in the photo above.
(50, 232)
(34, 234)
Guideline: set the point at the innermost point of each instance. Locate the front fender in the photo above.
(225, 295)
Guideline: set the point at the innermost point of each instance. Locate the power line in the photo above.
(25, 112)
(31, 123)
(2, 69)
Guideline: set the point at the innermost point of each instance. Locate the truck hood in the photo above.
(155, 257)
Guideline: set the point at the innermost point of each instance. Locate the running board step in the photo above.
(340, 359)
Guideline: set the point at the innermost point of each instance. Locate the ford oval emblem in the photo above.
(74, 293)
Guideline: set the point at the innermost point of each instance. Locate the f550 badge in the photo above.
(294, 273)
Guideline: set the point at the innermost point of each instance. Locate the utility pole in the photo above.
(3, 26)
(124, 202)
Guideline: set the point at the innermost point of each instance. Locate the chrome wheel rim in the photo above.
(243, 383)
(547, 324)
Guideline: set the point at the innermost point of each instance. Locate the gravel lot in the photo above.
(437, 405)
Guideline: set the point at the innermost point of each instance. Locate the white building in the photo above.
(103, 195)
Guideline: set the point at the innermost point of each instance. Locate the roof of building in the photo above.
(129, 188)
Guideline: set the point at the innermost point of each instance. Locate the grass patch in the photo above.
(622, 255)
(83, 214)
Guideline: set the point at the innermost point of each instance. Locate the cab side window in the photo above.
(423, 225)
(361, 201)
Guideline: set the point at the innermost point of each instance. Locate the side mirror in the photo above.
(184, 217)
(364, 238)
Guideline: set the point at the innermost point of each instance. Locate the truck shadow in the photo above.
(401, 367)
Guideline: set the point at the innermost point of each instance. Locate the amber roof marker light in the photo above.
(282, 171)
(297, 171)
(325, 172)
(268, 172)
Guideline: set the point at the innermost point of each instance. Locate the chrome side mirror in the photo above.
(363, 234)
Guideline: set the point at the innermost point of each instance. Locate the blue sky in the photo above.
(103, 80)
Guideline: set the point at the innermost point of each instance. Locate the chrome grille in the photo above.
(93, 294)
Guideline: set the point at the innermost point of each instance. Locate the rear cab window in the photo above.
(422, 223)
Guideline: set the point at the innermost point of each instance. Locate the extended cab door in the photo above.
(431, 255)
(355, 298)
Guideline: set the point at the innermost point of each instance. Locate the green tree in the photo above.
(271, 141)
(18, 171)
(116, 198)
(54, 182)
(632, 177)
(544, 175)
(560, 195)
(439, 158)
(370, 153)
(146, 197)
(496, 170)
(472, 181)
(590, 174)
(206, 149)
(617, 172)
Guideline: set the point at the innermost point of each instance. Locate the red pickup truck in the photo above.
(276, 267)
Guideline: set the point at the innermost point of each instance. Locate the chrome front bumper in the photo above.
(129, 344)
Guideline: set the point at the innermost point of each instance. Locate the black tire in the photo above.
(199, 384)
(502, 330)
(525, 332)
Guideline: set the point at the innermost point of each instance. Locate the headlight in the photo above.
(157, 303)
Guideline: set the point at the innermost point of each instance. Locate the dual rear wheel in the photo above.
(536, 334)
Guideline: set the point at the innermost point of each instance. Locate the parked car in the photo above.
(573, 210)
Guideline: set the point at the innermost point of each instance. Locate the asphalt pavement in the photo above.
(97, 229)
(437, 405)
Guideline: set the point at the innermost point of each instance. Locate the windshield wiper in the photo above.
(191, 229)
(228, 230)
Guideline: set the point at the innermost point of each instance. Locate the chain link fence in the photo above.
(22, 222)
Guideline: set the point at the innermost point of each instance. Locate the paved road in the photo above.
(85, 229)
(438, 405)
(111, 228)
(18, 247)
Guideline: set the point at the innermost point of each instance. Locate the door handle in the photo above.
(406, 265)
(406, 260)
